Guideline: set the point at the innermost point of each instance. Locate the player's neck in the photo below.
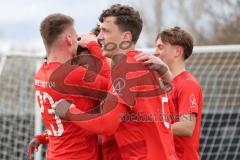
(58, 55)
(176, 68)
(120, 53)
(125, 51)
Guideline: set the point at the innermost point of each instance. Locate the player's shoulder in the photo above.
(139, 67)
(48, 67)
(39, 72)
(131, 55)
(45, 71)
(186, 80)
(127, 63)
(185, 77)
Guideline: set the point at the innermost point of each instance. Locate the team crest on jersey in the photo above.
(193, 100)
(118, 85)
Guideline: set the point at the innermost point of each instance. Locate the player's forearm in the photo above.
(105, 123)
(102, 125)
(96, 50)
(167, 80)
(183, 129)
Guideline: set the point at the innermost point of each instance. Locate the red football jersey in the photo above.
(187, 98)
(138, 122)
(144, 132)
(67, 141)
(110, 150)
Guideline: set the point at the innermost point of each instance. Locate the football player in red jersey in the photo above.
(133, 111)
(66, 140)
(174, 46)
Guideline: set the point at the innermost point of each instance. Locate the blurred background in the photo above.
(210, 21)
(214, 24)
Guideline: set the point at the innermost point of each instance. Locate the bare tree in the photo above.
(152, 25)
(151, 12)
(209, 21)
(192, 13)
(226, 26)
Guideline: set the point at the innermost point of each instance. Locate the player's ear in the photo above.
(179, 51)
(69, 39)
(127, 36)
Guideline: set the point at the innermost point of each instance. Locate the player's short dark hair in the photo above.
(54, 25)
(177, 36)
(95, 31)
(127, 19)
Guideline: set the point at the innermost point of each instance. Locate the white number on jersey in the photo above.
(43, 98)
(166, 123)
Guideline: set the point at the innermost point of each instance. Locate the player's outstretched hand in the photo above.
(152, 62)
(86, 38)
(32, 147)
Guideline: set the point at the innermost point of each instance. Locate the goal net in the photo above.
(218, 70)
(216, 67)
(16, 105)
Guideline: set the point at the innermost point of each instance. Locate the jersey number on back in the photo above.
(42, 99)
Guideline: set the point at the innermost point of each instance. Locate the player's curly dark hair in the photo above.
(127, 19)
(177, 36)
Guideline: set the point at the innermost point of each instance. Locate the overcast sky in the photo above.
(20, 19)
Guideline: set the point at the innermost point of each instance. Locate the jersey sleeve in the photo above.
(96, 50)
(105, 123)
(79, 76)
(189, 97)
